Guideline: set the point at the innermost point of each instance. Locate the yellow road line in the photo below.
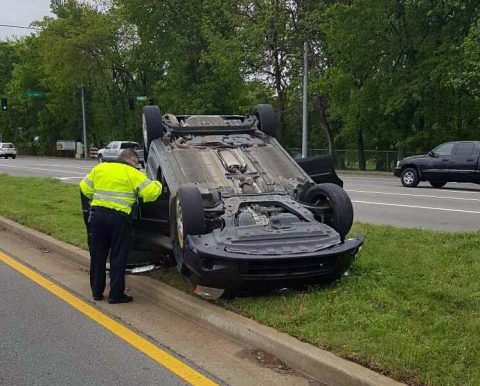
(158, 355)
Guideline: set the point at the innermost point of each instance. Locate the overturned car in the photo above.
(237, 211)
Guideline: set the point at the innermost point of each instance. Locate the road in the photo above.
(64, 169)
(45, 342)
(383, 200)
(379, 200)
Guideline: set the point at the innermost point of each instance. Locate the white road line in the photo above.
(48, 170)
(66, 166)
(414, 195)
(416, 207)
(366, 178)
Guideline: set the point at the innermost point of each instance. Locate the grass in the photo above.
(409, 307)
(44, 204)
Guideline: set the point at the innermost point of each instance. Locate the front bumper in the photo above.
(397, 172)
(241, 271)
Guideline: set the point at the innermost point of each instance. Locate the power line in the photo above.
(19, 26)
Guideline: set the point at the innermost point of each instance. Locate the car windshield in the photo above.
(132, 145)
(7, 146)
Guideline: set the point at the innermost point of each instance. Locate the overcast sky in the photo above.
(21, 12)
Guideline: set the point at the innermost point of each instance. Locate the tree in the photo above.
(390, 81)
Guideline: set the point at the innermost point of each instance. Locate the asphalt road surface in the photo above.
(64, 169)
(46, 342)
(379, 200)
(383, 200)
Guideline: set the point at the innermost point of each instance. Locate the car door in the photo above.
(107, 149)
(113, 151)
(463, 162)
(438, 164)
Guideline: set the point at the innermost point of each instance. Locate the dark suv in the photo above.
(449, 162)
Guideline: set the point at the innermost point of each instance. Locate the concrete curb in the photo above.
(303, 357)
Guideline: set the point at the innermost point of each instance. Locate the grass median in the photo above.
(409, 307)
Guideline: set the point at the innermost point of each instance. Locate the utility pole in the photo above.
(84, 118)
(305, 111)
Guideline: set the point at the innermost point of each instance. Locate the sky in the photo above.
(21, 12)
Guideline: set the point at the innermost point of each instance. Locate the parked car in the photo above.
(113, 149)
(7, 150)
(237, 211)
(449, 162)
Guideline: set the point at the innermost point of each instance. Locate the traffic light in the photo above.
(4, 104)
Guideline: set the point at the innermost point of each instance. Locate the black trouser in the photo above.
(109, 233)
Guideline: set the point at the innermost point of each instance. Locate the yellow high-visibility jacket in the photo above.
(117, 186)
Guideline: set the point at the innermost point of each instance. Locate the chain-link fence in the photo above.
(375, 160)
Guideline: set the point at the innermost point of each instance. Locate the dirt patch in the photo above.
(270, 361)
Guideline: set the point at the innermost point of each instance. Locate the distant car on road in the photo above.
(113, 149)
(7, 149)
(449, 162)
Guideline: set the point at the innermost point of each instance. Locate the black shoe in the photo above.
(99, 297)
(123, 299)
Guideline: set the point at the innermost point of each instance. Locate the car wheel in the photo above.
(409, 178)
(152, 126)
(14, 156)
(437, 184)
(100, 159)
(266, 118)
(186, 218)
(334, 204)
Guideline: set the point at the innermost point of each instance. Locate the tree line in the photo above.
(400, 75)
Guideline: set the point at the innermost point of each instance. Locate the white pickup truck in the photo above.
(113, 149)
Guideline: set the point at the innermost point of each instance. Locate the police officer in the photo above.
(113, 188)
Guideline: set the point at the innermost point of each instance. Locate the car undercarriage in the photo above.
(238, 211)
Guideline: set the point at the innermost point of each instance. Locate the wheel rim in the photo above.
(409, 178)
(324, 202)
(179, 224)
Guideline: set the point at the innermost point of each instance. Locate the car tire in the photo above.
(100, 159)
(186, 218)
(152, 126)
(409, 178)
(14, 156)
(437, 184)
(339, 212)
(266, 118)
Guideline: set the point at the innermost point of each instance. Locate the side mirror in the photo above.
(433, 154)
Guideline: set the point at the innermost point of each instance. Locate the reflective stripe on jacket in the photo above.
(116, 185)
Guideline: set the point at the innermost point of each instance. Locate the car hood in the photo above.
(413, 157)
